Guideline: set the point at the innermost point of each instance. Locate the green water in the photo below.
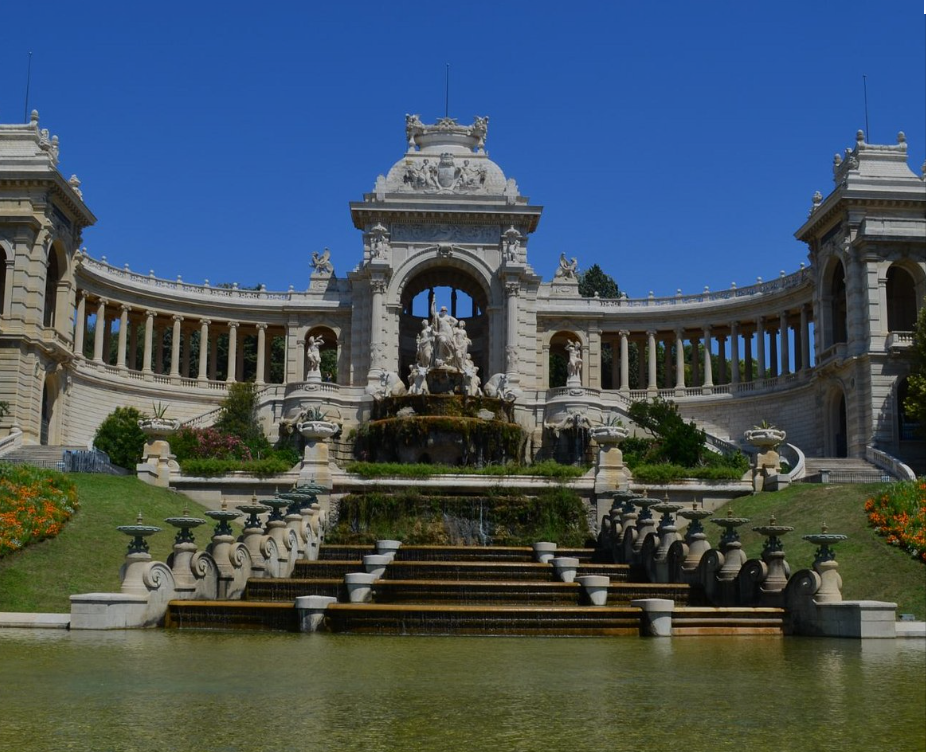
(231, 692)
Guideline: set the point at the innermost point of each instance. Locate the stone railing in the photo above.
(886, 462)
(780, 284)
(795, 459)
(13, 440)
(899, 340)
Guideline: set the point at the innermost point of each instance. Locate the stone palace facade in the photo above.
(822, 353)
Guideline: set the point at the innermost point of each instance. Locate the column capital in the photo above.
(512, 289)
(232, 325)
(261, 327)
(151, 314)
(205, 322)
(680, 333)
(378, 286)
(624, 333)
(102, 301)
(177, 318)
(651, 333)
(125, 308)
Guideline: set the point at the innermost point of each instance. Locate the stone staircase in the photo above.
(49, 457)
(466, 590)
(842, 470)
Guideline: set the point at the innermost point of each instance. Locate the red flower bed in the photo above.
(899, 514)
(34, 504)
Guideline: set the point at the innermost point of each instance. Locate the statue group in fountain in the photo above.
(443, 344)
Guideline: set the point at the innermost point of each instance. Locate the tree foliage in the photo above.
(239, 417)
(594, 280)
(915, 403)
(677, 442)
(120, 437)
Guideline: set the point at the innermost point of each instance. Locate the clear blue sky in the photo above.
(676, 144)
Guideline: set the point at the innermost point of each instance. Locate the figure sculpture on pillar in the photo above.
(321, 262)
(574, 366)
(567, 269)
(313, 353)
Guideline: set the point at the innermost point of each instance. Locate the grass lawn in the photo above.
(85, 557)
(870, 568)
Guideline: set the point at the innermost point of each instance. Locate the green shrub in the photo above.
(210, 468)
(120, 437)
(556, 514)
(238, 418)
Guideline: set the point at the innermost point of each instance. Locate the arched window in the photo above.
(327, 351)
(901, 300)
(838, 306)
(559, 358)
(52, 277)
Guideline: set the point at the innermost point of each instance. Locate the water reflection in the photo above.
(234, 692)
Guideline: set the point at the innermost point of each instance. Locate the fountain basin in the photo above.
(388, 546)
(375, 564)
(544, 551)
(565, 567)
(359, 586)
(311, 610)
(595, 587)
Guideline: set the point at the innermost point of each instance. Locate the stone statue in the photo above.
(461, 343)
(512, 243)
(379, 241)
(418, 379)
(567, 269)
(471, 379)
(444, 343)
(321, 262)
(425, 344)
(313, 353)
(574, 366)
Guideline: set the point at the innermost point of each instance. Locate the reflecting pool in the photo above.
(231, 692)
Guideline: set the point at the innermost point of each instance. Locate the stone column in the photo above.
(679, 360)
(625, 361)
(80, 324)
(175, 347)
(760, 346)
(708, 367)
(747, 346)
(123, 326)
(261, 353)
(651, 385)
(735, 352)
(805, 339)
(201, 372)
(785, 345)
(773, 352)
(512, 291)
(98, 332)
(377, 347)
(149, 341)
(232, 351)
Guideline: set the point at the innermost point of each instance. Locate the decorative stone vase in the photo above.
(376, 564)
(158, 428)
(765, 439)
(359, 586)
(388, 547)
(317, 430)
(609, 435)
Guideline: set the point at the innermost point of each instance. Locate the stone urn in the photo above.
(609, 468)
(765, 439)
(317, 430)
(158, 428)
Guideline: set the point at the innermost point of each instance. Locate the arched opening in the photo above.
(4, 260)
(836, 439)
(907, 425)
(838, 308)
(328, 353)
(52, 278)
(559, 358)
(48, 400)
(466, 302)
(901, 300)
